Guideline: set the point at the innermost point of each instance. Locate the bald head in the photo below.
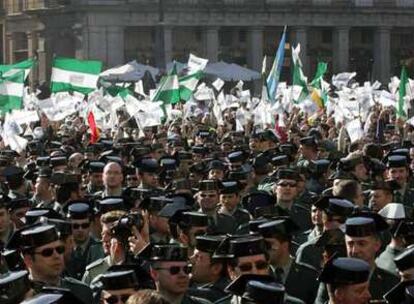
(112, 176)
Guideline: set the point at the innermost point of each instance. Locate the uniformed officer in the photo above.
(397, 169)
(100, 266)
(112, 178)
(14, 286)
(148, 170)
(120, 282)
(86, 249)
(189, 224)
(170, 271)
(334, 214)
(299, 279)
(230, 203)
(207, 198)
(381, 194)
(95, 182)
(17, 209)
(363, 242)
(285, 190)
(347, 280)
(6, 225)
(209, 274)
(394, 214)
(43, 257)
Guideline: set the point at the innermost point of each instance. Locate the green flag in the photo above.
(11, 91)
(299, 81)
(188, 84)
(319, 94)
(25, 65)
(401, 113)
(169, 89)
(75, 75)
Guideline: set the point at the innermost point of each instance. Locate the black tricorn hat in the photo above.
(345, 271)
(169, 253)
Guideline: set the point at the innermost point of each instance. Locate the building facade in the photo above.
(372, 37)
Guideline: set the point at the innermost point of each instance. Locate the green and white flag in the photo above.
(402, 92)
(10, 69)
(75, 75)
(188, 85)
(11, 91)
(169, 90)
(299, 81)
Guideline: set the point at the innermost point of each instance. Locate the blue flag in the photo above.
(273, 78)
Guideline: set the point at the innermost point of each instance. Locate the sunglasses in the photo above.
(132, 178)
(48, 252)
(117, 299)
(287, 184)
(174, 270)
(79, 226)
(260, 265)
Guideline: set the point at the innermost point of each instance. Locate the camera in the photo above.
(122, 229)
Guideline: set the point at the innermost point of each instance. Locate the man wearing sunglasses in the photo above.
(335, 211)
(171, 272)
(207, 198)
(43, 256)
(209, 276)
(286, 192)
(120, 282)
(299, 279)
(86, 249)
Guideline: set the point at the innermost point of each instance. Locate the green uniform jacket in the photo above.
(386, 259)
(211, 291)
(309, 254)
(95, 269)
(302, 282)
(77, 263)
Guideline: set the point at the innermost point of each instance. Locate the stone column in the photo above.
(211, 43)
(9, 47)
(382, 46)
(340, 49)
(116, 46)
(45, 53)
(301, 36)
(255, 48)
(32, 49)
(98, 44)
(163, 45)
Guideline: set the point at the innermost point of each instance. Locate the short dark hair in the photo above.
(147, 296)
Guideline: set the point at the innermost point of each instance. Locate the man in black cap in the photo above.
(230, 203)
(158, 224)
(43, 196)
(95, 182)
(207, 198)
(381, 194)
(354, 163)
(53, 295)
(171, 272)
(100, 266)
(347, 280)
(334, 214)
(14, 287)
(148, 171)
(397, 169)
(209, 273)
(286, 192)
(6, 225)
(43, 257)
(87, 249)
(215, 169)
(120, 282)
(308, 149)
(363, 242)
(16, 183)
(405, 264)
(299, 279)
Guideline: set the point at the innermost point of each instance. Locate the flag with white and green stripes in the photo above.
(75, 75)
(11, 91)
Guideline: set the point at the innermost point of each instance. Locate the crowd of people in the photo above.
(192, 211)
